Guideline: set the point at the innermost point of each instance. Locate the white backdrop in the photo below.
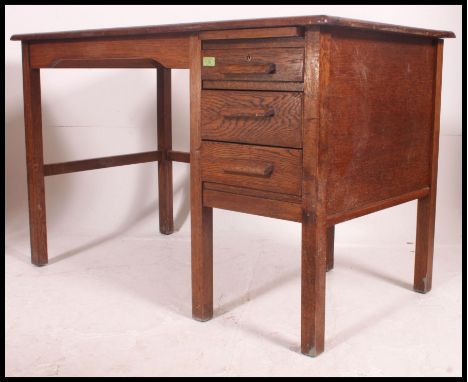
(92, 113)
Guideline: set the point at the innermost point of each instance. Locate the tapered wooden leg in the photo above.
(314, 247)
(34, 160)
(166, 219)
(330, 247)
(424, 244)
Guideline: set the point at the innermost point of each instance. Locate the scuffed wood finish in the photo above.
(220, 160)
(34, 159)
(427, 205)
(253, 205)
(170, 52)
(255, 64)
(103, 162)
(201, 216)
(314, 224)
(235, 24)
(164, 128)
(264, 118)
(250, 33)
(378, 109)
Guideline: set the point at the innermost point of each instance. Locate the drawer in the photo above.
(264, 118)
(253, 64)
(257, 167)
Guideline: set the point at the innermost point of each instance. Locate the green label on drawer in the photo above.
(209, 61)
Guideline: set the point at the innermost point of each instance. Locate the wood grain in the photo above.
(216, 157)
(103, 162)
(34, 159)
(288, 64)
(282, 128)
(253, 205)
(229, 34)
(201, 216)
(314, 226)
(341, 217)
(425, 229)
(378, 109)
(108, 63)
(164, 132)
(169, 52)
(280, 42)
(317, 130)
(235, 24)
(255, 85)
(252, 192)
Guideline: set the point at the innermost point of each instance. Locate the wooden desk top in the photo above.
(233, 24)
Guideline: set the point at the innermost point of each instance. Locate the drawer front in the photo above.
(264, 118)
(269, 64)
(257, 167)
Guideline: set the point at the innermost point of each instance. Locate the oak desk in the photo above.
(312, 119)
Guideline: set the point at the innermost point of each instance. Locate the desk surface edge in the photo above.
(233, 24)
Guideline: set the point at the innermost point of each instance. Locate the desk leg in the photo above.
(201, 217)
(202, 262)
(166, 220)
(424, 244)
(315, 233)
(330, 247)
(427, 205)
(34, 160)
(313, 272)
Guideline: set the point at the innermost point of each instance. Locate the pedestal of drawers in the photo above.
(318, 126)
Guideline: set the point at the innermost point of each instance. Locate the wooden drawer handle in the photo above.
(250, 168)
(252, 113)
(240, 69)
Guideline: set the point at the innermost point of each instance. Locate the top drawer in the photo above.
(253, 64)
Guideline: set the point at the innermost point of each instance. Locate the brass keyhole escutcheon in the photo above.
(249, 58)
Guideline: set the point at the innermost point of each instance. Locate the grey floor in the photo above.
(121, 307)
